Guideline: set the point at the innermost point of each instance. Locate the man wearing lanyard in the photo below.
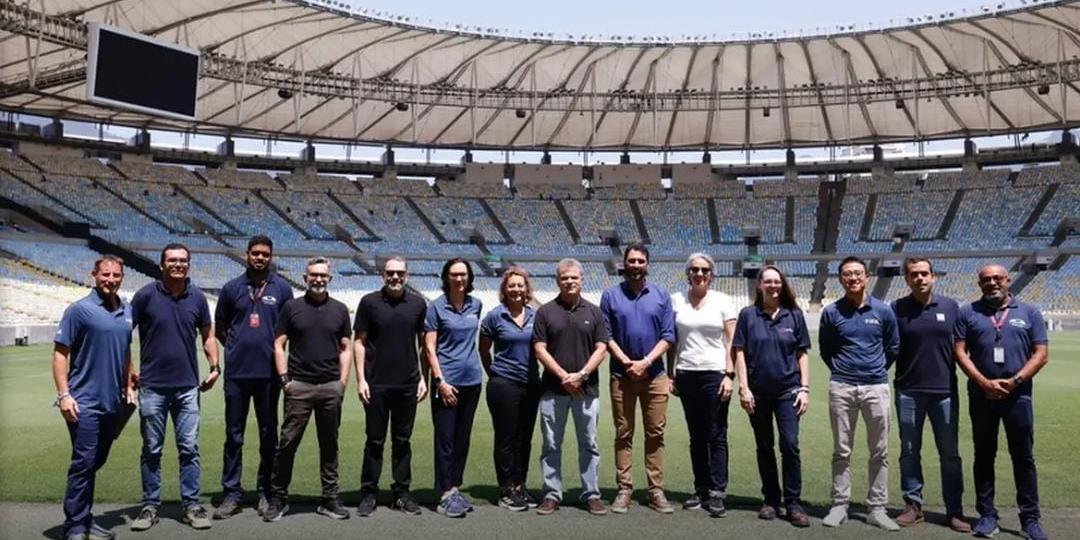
(1001, 345)
(246, 313)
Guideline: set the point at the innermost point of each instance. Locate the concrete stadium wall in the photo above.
(484, 173)
(548, 174)
(35, 334)
(612, 175)
(691, 173)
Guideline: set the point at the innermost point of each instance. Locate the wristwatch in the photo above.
(285, 379)
(215, 369)
(1018, 380)
(436, 381)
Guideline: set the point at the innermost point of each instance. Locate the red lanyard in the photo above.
(999, 323)
(257, 298)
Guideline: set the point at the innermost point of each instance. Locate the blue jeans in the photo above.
(182, 404)
(944, 411)
(554, 408)
(1017, 415)
(91, 439)
(239, 394)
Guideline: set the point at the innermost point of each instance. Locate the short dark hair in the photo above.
(849, 260)
(636, 246)
(108, 258)
(446, 275)
(171, 246)
(912, 260)
(261, 240)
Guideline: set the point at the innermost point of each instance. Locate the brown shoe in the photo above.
(767, 512)
(548, 507)
(912, 515)
(659, 502)
(797, 516)
(958, 523)
(622, 502)
(595, 506)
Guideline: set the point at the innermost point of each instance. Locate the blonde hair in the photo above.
(509, 273)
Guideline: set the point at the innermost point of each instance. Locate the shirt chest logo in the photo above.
(872, 322)
(940, 317)
(269, 300)
(787, 330)
(1018, 323)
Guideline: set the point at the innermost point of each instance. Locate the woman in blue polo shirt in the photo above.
(771, 341)
(450, 330)
(513, 389)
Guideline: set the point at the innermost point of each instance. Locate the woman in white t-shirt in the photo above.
(701, 376)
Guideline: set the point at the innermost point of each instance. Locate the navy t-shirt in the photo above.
(455, 343)
(249, 311)
(858, 343)
(514, 358)
(926, 363)
(168, 328)
(1022, 328)
(98, 341)
(771, 347)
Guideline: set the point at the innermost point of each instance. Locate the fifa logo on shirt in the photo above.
(788, 330)
(874, 322)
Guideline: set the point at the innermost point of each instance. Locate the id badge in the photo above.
(253, 320)
(999, 355)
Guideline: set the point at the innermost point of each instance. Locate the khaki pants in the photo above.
(846, 401)
(653, 395)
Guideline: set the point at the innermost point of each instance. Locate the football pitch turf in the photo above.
(34, 455)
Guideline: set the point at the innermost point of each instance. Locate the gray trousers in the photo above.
(846, 401)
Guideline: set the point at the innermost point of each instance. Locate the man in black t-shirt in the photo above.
(316, 328)
(388, 327)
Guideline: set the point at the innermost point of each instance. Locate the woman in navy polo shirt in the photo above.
(513, 389)
(771, 340)
(450, 330)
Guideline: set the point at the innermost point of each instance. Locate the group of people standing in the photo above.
(543, 363)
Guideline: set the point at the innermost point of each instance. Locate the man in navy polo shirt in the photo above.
(858, 342)
(247, 311)
(641, 321)
(169, 314)
(926, 386)
(1001, 345)
(91, 368)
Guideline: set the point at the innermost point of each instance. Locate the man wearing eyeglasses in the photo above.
(388, 332)
(1001, 344)
(169, 313)
(314, 374)
(859, 340)
(247, 311)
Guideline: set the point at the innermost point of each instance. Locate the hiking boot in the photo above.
(912, 515)
(147, 518)
(658, 501)
(227, 509)
(197, 518)
(405, 504)
(333, 509)
(595, 506)
(622, 502)
(367, 505)
(548, 507)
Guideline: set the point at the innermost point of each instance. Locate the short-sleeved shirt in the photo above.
(1022, 327)
(699, 333)
(927, 363)
(455, 342)
(637, 322)
(390, 326)
(514, 358)
(315, 330)
(858, 343)
(98, 341)
(570, 334)
(168, 327)
(771, 347)
(249, 311)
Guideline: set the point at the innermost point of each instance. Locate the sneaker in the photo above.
(333, 509)
(912, 515)
(622, 502)
(367, 505)
(836, 517)
(959, 523)
(464, 501)
(528, 497)
(147, 518)
(693, 503)
(658, 501)
(274, 510)
(97, 532)
(878, 517)
(260, 508)
(1033, 530)
(768, 512)
(714, 505)
(548, 507)
(197, 517)
(986, 527)
(796, 515)
(512, 501)
(77, 536)
(405, 504)
(227, 509)
(450, 506)
(595, 506)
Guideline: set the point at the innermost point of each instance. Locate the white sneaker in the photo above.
(836, 517)
(879, 518)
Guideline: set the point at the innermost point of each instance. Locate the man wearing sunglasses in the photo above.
(1001, 345)
(387, 334)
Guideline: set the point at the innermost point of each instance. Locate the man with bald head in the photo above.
(1001, 345)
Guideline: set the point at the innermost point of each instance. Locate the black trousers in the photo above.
(453, 434)
(393, 408)
(1017, 415)
(707, 422)
(239, 395)
(513, 407)
(301, 400)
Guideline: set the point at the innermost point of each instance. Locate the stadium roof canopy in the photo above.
(323, 71)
